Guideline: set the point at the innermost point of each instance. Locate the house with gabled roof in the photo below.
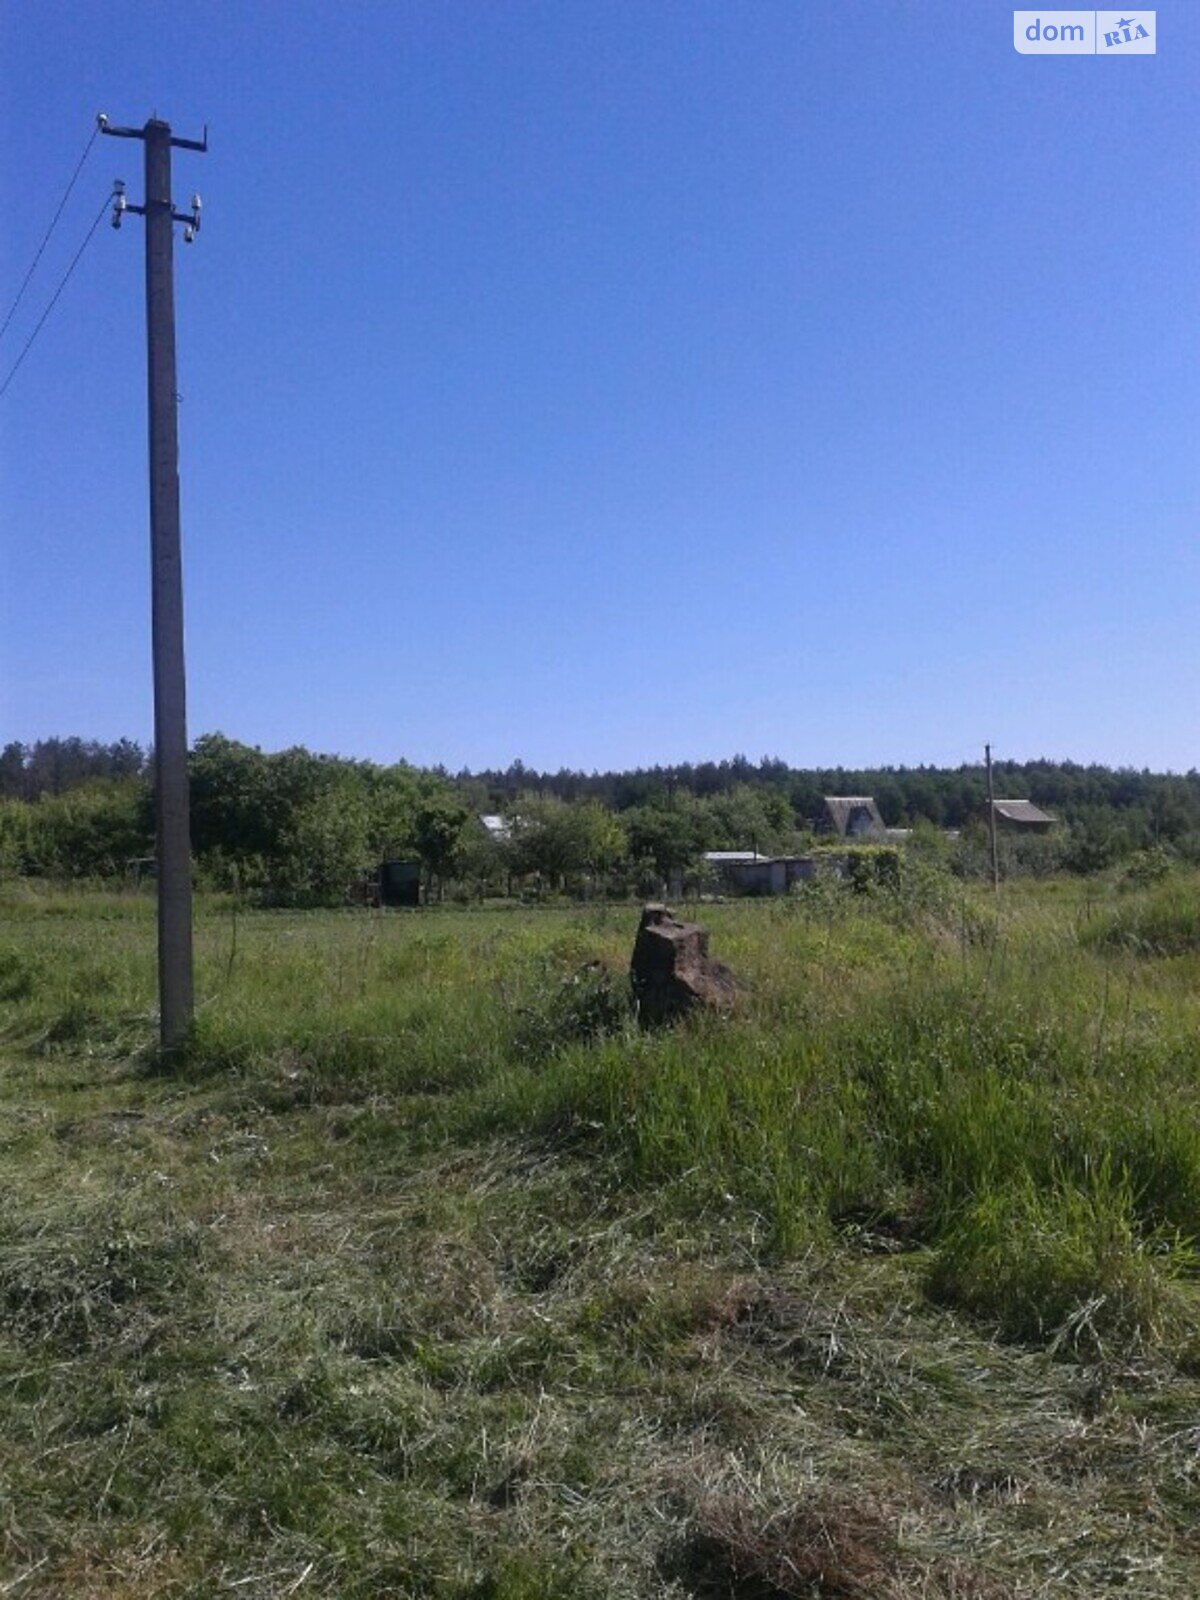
(852, 816)
(1021, 816)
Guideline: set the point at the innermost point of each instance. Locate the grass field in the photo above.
(426, 1274)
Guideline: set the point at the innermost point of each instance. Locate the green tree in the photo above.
(88, 832)
(438, 825)
(480, 860)
(559, 841)
(745, 818)
(12, 770)
(323, 847)
(393, 795)
(14, 837)
(669, 838)
(236, 808)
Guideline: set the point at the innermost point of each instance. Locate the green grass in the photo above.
(426, 1274)
(1164, 922)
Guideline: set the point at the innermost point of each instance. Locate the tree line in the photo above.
(294, 827)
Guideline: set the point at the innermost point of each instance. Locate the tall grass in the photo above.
(905, 1063)
(1164, 922)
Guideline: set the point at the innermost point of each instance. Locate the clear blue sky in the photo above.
(609, 383)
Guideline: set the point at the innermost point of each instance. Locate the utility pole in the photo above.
(173, 847)
(987, 755)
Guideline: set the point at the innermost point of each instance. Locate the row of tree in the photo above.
(1166, 804)
(53, 766)
(293, 827)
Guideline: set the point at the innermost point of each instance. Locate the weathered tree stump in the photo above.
(671, 972)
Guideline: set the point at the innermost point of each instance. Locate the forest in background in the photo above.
(294, 827)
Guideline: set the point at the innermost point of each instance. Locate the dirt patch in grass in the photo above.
(830, 1546)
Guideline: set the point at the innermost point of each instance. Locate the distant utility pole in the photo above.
(987, 755)
(174, 849)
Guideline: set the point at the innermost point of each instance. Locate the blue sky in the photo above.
(610, 383)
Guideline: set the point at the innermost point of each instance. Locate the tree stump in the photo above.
(672, 973)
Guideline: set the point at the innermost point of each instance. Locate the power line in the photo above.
(54, 299)
(53, 222)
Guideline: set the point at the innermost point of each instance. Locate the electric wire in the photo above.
(53, 223)
(12, 372)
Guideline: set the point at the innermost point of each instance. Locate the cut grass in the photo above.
(427, 1275)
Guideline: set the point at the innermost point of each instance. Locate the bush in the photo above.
(1148, 867)
(1093, 848)
(1166, 923)
(588, 1005)
(873, 868)
(86, 833)
(14, 837)
(17, 976)
(1032, 856)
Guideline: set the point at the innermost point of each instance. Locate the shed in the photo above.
(771, 875)
(798, 869)
(1021, 816)
(761, 876)
(727, 864)
(852, 816)
(400, 883)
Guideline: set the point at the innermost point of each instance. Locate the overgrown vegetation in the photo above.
(427, 1274)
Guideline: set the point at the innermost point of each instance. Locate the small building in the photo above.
(725, 865)
(798, 869)
(852, 816)
(721, 859)
(1021, 816)
(497, 828)
(761, 876)
(400, 883)
(770, 874)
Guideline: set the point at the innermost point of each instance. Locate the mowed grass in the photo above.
(424, 1273)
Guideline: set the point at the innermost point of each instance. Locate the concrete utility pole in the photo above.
(987, 756)
(174, 849)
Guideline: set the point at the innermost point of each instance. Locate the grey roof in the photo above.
(1021, 811)
(724, 857)
(841, 808)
